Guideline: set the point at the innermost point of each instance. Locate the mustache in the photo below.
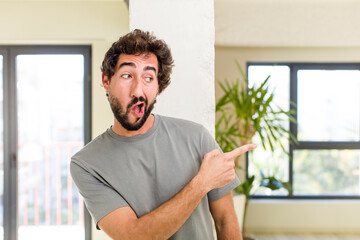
(136, 100)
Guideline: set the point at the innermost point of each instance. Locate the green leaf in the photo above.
(254, 107)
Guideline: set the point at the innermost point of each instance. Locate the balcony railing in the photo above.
(47, 195)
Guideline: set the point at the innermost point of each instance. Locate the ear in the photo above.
(105, 82)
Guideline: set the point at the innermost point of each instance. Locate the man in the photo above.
(150, 176)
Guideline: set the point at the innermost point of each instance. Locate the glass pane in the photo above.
(50, 104)
(329, 105)
(327, 172)
(1, 149)
(271, 163)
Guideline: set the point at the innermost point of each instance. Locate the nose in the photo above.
(136, 88)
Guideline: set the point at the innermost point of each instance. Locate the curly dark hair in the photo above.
(139, 42)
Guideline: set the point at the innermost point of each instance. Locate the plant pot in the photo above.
(239, 205)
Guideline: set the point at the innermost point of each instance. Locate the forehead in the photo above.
(144, 59)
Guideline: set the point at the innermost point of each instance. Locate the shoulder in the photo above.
(185, 130)
(182, 124)
(93, 149)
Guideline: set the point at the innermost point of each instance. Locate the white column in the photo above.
(187, 26)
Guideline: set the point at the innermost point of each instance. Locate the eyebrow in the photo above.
(147, 68)
(127, 64)
(131, 64)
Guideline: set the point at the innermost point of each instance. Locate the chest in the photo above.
(149, 174)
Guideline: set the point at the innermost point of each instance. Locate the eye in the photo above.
(148, 79)
(126, 76)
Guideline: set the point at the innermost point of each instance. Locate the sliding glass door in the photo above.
(50, 117)
(50, 121)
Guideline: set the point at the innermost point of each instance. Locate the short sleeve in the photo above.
(100, 199)
(218, 193)
(208, 144)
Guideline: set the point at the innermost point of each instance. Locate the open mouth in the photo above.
(138, 109)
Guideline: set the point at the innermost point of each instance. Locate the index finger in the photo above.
(240, 150)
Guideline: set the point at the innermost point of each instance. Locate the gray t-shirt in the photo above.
(147, 170)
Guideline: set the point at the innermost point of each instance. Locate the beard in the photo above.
(123, 116)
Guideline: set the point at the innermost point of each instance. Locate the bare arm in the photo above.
(226, 223)
(216, 171)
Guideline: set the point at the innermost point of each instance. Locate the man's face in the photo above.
(133, 89)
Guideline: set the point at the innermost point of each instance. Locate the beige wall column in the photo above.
(188, 27)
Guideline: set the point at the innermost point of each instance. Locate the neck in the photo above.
(121, 131)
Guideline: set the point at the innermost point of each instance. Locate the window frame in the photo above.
(9, 53)
(307, 145)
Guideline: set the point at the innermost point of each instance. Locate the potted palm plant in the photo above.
(242, 112)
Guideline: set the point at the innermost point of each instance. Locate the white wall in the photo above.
(188, 27)
(290, 31)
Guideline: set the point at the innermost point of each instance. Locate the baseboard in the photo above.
(288, 230)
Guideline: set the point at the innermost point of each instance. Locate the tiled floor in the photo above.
(306, 237)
